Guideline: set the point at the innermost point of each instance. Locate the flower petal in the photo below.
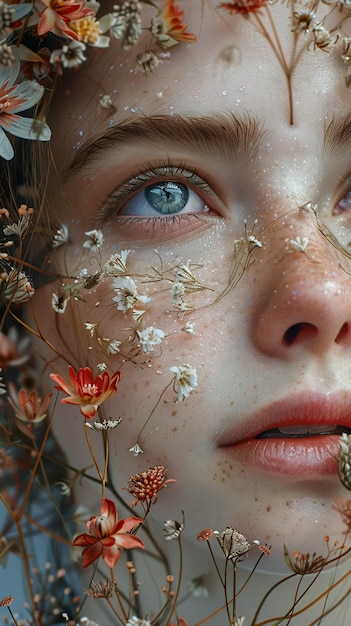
(90, 554)
(6, 149)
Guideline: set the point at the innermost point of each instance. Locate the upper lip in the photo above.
(297, 410)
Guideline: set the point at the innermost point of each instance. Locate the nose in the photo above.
(305, 298)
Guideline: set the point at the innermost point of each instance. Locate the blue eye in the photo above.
(167, 197)
(164, 198)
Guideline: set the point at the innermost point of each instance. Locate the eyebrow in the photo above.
(240, 136)
(337, 134)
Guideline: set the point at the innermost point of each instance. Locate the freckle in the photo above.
(232, 402)
(268, 508)
(288, 503)
(174, 430)
(174, 413)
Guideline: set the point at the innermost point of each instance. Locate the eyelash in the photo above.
(152, 175)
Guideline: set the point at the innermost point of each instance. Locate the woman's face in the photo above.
(272, 330)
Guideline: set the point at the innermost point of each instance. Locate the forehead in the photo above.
(232, 68)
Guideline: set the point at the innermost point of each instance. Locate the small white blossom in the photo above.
(117, 264)
(299, 244)
(253, 242)
(91, 328)
(106, 102)
(61, 237)
(104, 425)
(102, 367)
(112, 346)
(136, 449)
(189, 328)
(185, 381)
(135, 621)
(150, 337)
(172, 529)
(59, 303)
(70, 55)
(177, 293)
(126, 293)
(95, 241)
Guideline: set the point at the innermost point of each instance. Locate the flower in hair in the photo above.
(85, 391)
(107, 535)
(15, 98)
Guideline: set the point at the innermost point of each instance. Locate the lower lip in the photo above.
(306, 457)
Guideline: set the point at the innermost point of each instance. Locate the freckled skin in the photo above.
(238, 348)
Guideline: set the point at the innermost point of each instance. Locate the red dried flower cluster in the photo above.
(146, 485)
(243, 6)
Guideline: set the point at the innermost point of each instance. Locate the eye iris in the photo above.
(345, 203)
(167, 197)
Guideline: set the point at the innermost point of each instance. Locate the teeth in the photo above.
(308, 430)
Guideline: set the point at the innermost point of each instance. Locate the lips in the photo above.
(297, 437)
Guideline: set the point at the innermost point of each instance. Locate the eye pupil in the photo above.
(167, 197)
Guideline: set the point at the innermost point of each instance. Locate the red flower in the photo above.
(29, 408)
(243, 6)
(107, 535)
(146, 485)
(58, 13)
(86, 392)
(173, 16)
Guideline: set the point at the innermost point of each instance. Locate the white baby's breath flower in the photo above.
(91, 328)
(70, 55)
(172, 529)
(106, 102)
(61, 237)
(189, 328)
(136, 449)
(126, 293)
(135, 621)
(150, 337)
(95, 241)
(254, 243)
(117, 264)
(104, 425)
(299, 244)
(112, 346)
(177, 293)
(102, 367)
(59, 302)
(185, 381)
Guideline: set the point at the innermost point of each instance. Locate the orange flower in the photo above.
(243, 6)
(173, 16)
(30, 408)
(58, 13)
(86, 392)
(145, 485)
(107, 535)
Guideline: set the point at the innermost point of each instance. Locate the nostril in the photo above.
(299, 332)
(343, 333)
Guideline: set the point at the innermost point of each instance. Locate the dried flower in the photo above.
(167, 26)
(343, 507)
(299, 244)
(302, 20)
(107, 535)
(234, 544)
(146, 485)
(127, 23)
(136, 449)
(15, 98)
(117, 264)
(29, 408)
(105, 424)
(126, 293)
(85, 391)
(135, 621)
(147, 61)
(243, 6)
(185, 381)
(150, 337)
(102, 590)
(6, 601)
(304, 563)
(345, 460)
(58, 14)
(173, 529)
(205, 535)
(61, 237)
(95, 241)
(59, 302)
(70, 55)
